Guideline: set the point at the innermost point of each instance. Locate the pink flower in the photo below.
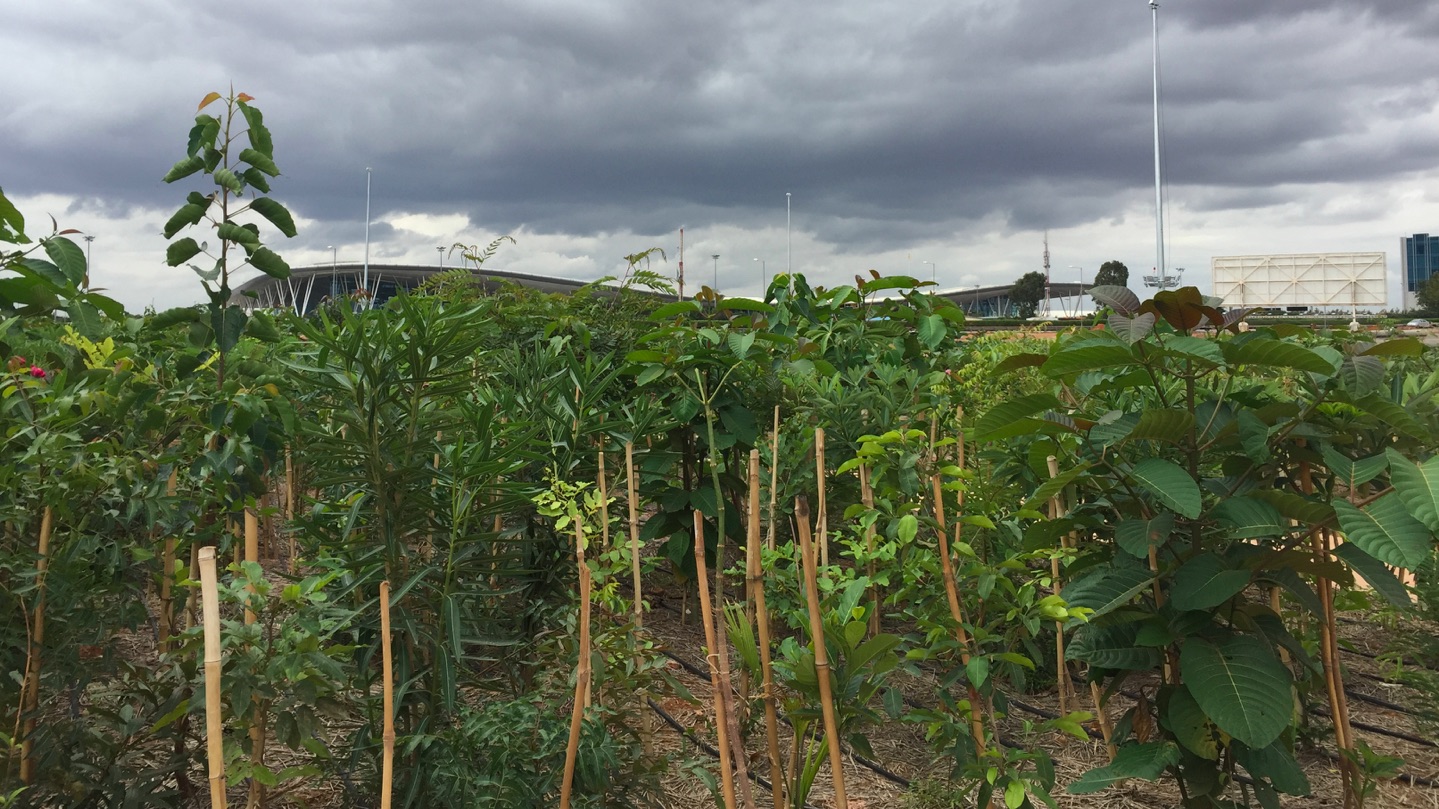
(37, 372)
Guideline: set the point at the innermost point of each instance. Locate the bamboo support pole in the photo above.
(214, 722)
(755, 572)
(632, 498)
(387, 763)
(821, 654)
(1061, 666)
(956, 612)
(582, 669)
(257, 722)
(866, 496)
(252, 554)
(290, 506)
(167, 575)
(773, 478)
(727, 787)
(30, 695)
(822, 519)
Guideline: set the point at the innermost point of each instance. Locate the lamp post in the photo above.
(716, 283)
(365, 277)
(789, 244)
(763, 277)
(933, 271)
(1081, 287)
(441, 251)
(334, 290)
(89, 240)
(1158, 193)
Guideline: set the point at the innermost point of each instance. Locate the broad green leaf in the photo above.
(276, 214)
(1169, 425)
(740, 343)
(1361, 374)
(259, 134)
(228, 323)
(1417, 486)
(189, 214)
(228, 180)
(68, 257)
(170, 317)
(259, 161)
(1398, 347)
(1253, 436)
(1054, 486)
(1385, 530)
(1088, 355)
(1109, 430)
(12, 222)
(1296, 506)
(180, 252)
(1120, 299)
(1264, 352)
(1392, 416)
(1204, 582)
(1005, 415)
(645, 356)
(85, 318)
(1295, 585)
(1376, 573)
(1132, 329)
(1106, 589)
(1147, 761)
(269, 262)
(1196, 349)
(1111, 647)
(977, 670)
(48, 273)
(1183, 717)
(1135, 536)
(932, 331)
(1168, 482)
(648, 375)
(262, 327)
(675, 309)
(1276, 765)
(1249, 518)
(184, 168)
(1023, 360)
(1351, 473)
(237, 233)
(1240, 684)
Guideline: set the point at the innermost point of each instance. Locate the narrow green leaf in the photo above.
(180, 252)
(1055, 485)
(189, 214)
(1417, 486)
(1385, 530)
(1240, 685)
(1249, 518)
(1183, 717)
(1170, 484)
(1106, 589)
(1398, 347)
(269, 262)
(1171, 425)
(1147, 761)
(259, 134)
(256, 179)
(1376, 573)
(675, 309)
(238, 234)
(229, 180)
(1204, 582)
(184, 168)
(276, 214)
(259, 161)
(1006, 414)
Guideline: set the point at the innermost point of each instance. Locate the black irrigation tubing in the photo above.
(706, 746)
(1394, 734)
(873, 766)
(1379, 701)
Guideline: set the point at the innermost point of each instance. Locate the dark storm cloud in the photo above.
(886, 122)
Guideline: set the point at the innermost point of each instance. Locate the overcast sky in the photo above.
(952, 132)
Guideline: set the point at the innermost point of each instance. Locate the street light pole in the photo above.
(716, 286)
(365, 276)
(789, 243)
(763, 277)
(933, 271)
(441, 250)
(334, 290)
(89, 240)
(1158, 194)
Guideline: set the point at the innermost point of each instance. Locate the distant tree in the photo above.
(1429, 296)
(1112, 273)
(1027, 292)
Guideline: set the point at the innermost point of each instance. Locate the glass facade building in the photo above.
(1421, 260)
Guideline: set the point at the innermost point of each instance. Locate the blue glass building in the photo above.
(1421, 261)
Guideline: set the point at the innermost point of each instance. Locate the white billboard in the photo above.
(1345, 280)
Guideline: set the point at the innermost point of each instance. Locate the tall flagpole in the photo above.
(1158, 193)
(365, 276)
(789, 243)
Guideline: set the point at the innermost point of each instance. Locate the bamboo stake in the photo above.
(387, 763)
(707, 615)
(252, 554)
(773, 478)
(866, 495)
(30, 700)
(956, 612)
(821, 654)
(632, 499)
(582, 669)
(214, 722)
(755, 571)
(257, 723)
(1066, 687)
(822, 520)
(290, 506)
(167, 576)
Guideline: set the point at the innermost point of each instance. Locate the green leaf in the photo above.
(1248, 518)
(1106, 589)
(1376, 573)
(85, 318)
(184, 168)
(1386, 531)
(1296, 506)
(228, 180)
(740, 343)
(189, 214)
(262, 327)
(1088, 355)
(12, 222)
(1204, 582)
(259, 134)
(238, 234)
(1054, 486)
(1360, 374)
(68, 257)
(1417, 486)
(1147, 761)
(675, 309)
(1276, 765)
(1253, 436)
(1170, 484)
(228, 323)
(1022, 360)
(269, 262)
(743, 305)
(180, 252)
(1392, 416)
(1398, 347)
(932, 331)
(1239, 683)
(259, 161)
(1003, 417)
(1120, 299)
(1135, 536)
(276, 214)
(1132, 329)
(1160, 424)
(1111, 647)
(171, 317)
(1196, 349)
(977, 670)
(1351, 473)
(1183, 717)
(1265, 352)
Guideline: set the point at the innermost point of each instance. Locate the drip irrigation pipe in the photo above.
(706, 746)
